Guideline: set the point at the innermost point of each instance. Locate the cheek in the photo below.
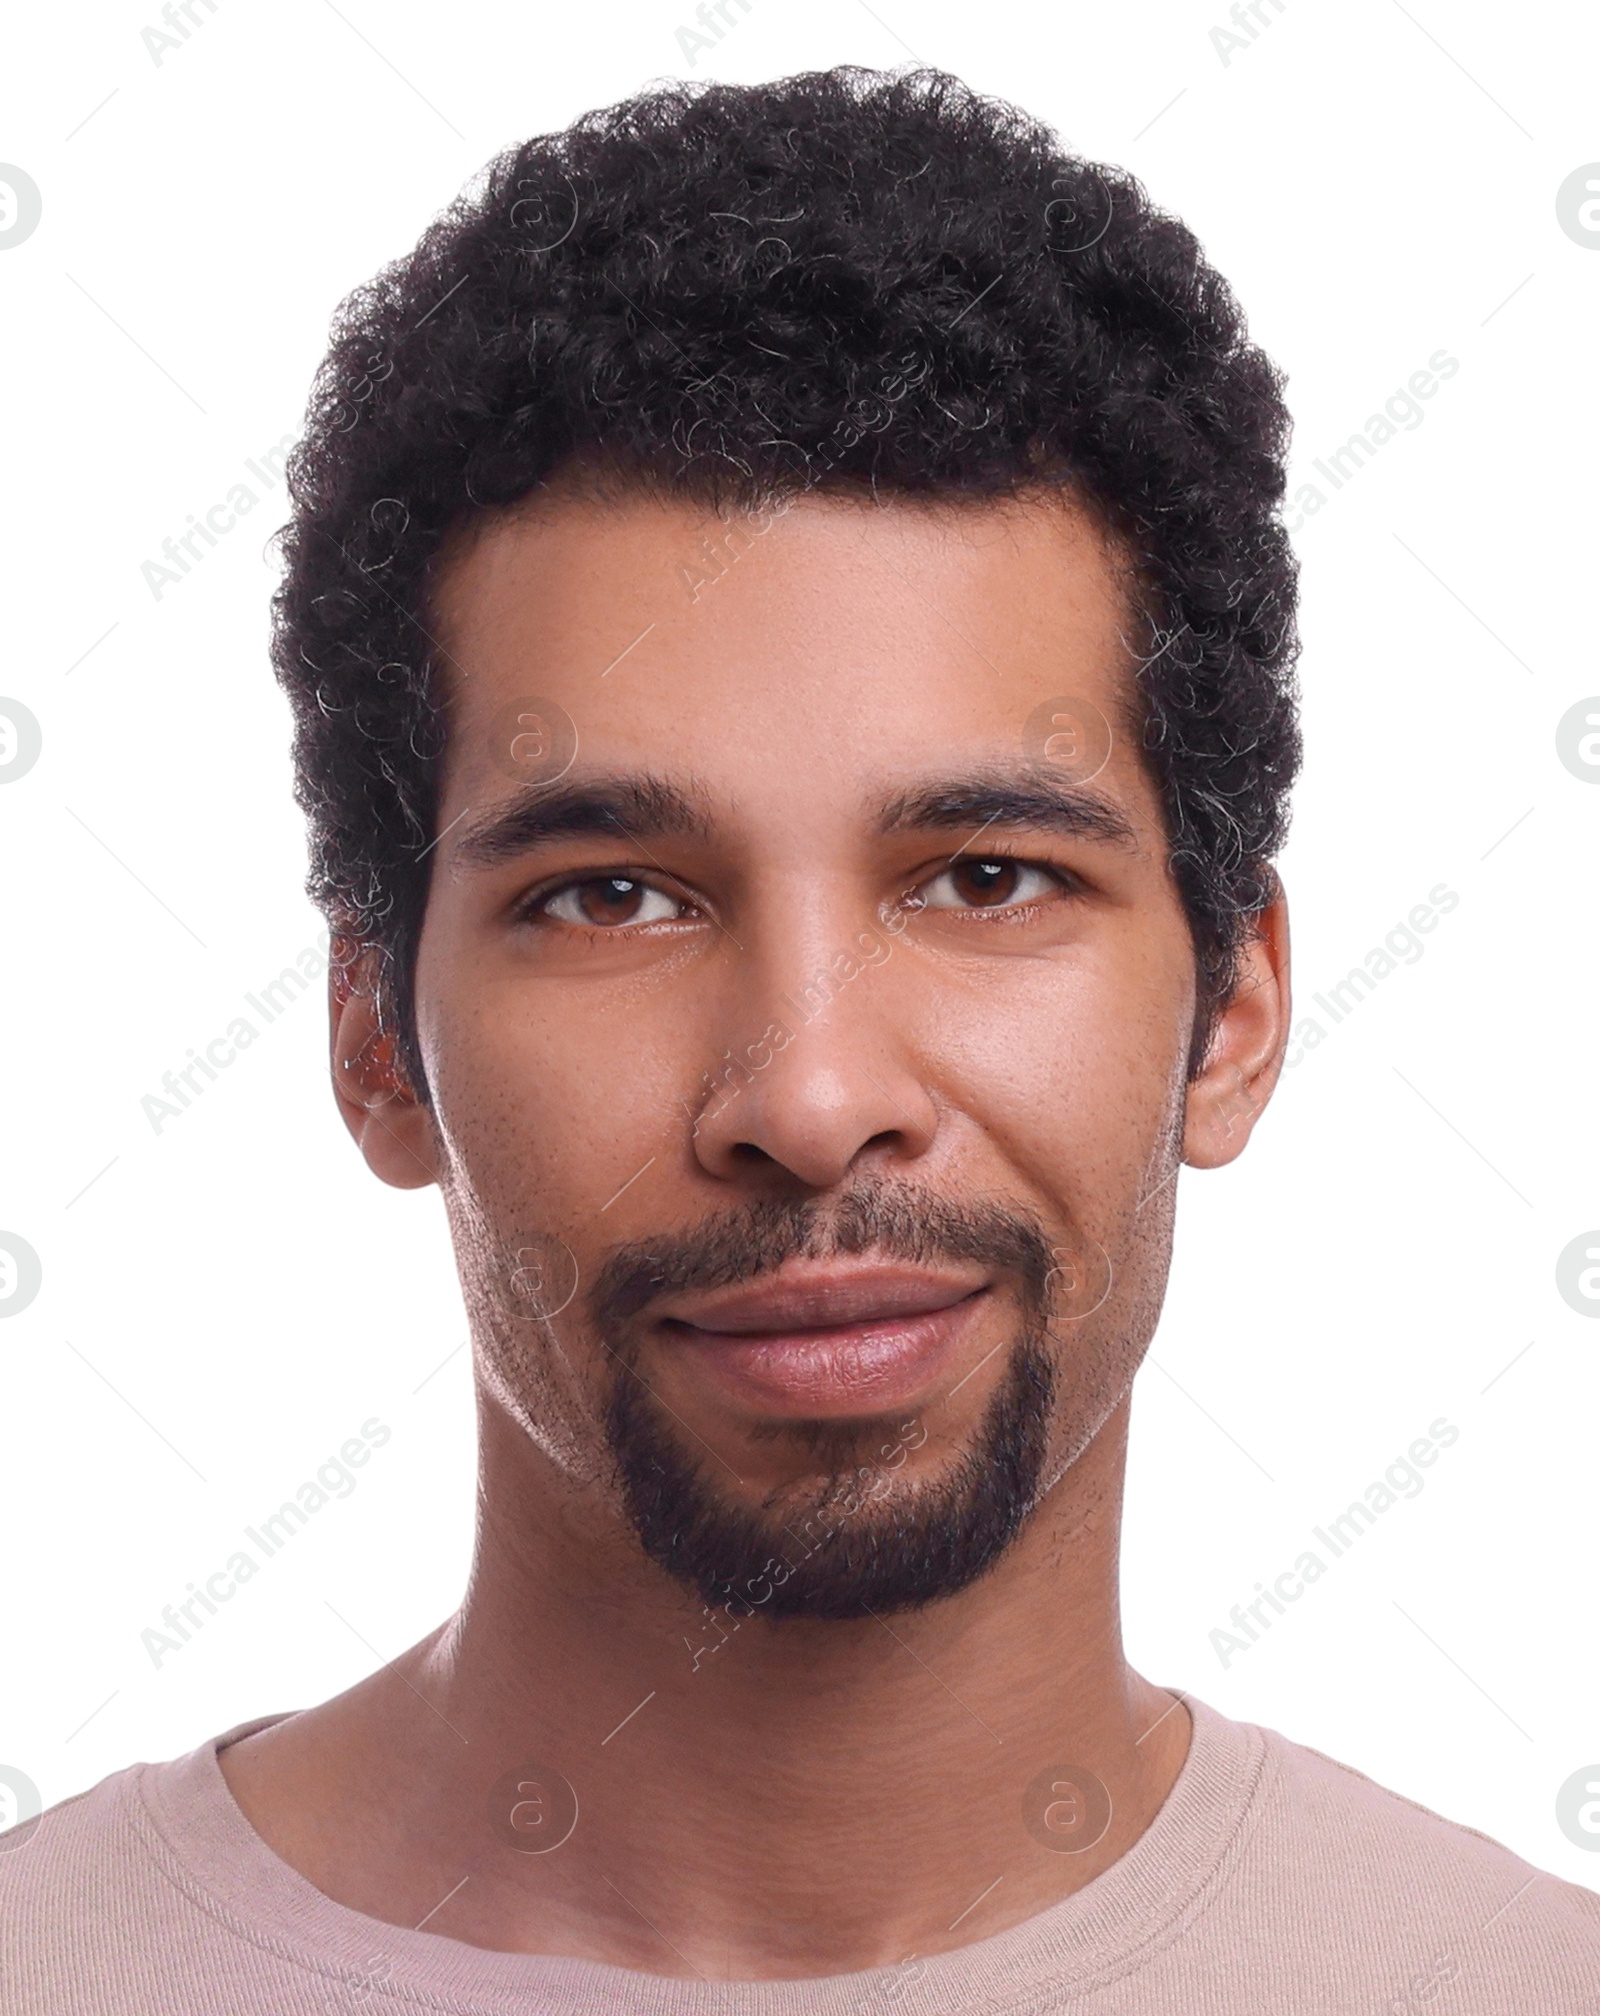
(1074, 1073)
(551, 1102)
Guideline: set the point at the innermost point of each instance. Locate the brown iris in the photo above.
(609, 899)
(985, 882)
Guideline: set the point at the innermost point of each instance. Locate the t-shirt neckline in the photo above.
(1143, 1901)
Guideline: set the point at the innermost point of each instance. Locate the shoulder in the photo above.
(54, 1847)
(1357, 1814)
(64, 1875)
(1348, 1861)
(97, 1892)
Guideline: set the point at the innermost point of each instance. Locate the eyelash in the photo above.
(531, 908)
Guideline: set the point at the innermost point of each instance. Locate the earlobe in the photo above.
(388, 1122)
(1230, 1092)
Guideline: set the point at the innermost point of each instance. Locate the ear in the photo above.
(390, 1125)
(1247, 1045)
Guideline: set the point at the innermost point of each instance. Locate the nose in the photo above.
(832, 1081)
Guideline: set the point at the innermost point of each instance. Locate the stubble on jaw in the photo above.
(851, 1534)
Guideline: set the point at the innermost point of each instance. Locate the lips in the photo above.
(819, 1299)
(827, 1342)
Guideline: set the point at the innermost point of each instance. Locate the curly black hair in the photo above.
(849, 278)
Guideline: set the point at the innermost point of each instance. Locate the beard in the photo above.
(861, 1539)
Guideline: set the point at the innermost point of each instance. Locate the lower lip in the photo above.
(856, 1369)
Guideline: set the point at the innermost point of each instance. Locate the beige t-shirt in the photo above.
(1273, 1882)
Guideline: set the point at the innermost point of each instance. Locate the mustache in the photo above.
(896, 1220)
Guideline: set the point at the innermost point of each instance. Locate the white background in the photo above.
(225, 1302)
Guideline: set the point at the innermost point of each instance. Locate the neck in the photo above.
(757, 1798)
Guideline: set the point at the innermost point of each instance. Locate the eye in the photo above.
(988, 885)
(597, 901)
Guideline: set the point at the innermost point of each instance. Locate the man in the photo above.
(792, 646)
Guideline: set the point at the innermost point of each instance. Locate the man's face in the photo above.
(807, 1057)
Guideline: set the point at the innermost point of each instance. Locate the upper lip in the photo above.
(821, 1298)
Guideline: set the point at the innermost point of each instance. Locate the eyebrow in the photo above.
(647, 807)
(637, 807)
(1011, 799)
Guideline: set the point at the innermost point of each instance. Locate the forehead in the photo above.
(793, 652)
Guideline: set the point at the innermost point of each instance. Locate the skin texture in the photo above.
(816, 1795)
